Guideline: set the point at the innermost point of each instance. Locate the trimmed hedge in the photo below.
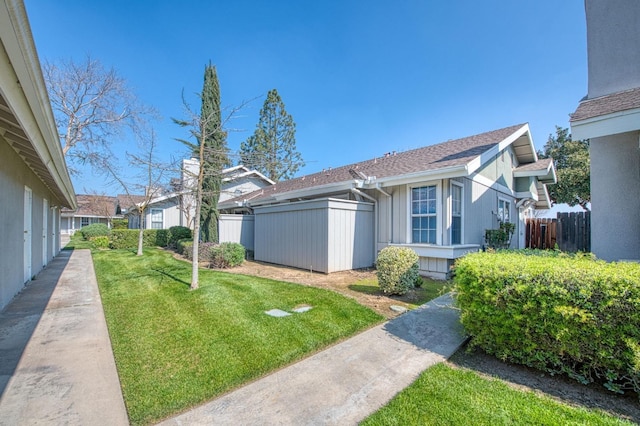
(119, 223)
(557, 313)
(128, 238)
(227, 255)
(177, 233)
(397, 270)
(184, 245)
(99, 242)
(95, 230)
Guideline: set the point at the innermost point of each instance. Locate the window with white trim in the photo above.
(156, 219)
(504, 210)
(456, 213)
(84, 221)
(423, 215)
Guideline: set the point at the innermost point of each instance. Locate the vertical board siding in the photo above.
(237, 228)
(322, 235)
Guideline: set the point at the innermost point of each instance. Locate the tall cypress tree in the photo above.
(215, 154)
(272, 147)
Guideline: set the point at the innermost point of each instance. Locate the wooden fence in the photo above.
(570, 231)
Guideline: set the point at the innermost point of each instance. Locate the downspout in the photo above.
(359, 193)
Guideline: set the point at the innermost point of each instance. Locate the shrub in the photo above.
(397, 270)
(204, 251)
(128, 238)
(95, 230)
(119, 223)
(227, 255)
(100, 242)
(184, 244)
(558, 313)
(178, 233)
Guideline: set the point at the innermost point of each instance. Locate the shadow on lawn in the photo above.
(169, 275)
(593, 396)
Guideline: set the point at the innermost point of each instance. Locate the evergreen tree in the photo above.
(272, 148)
(571, 159)
(215, 154)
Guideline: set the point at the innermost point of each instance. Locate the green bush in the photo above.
(178, 233)
(397, 270)
(227, 255)
(184, 245)
(100, 242)
(119, 223)
(558, 313)
(128, 238)
(95, 230)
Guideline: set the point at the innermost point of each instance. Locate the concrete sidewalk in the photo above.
(345, 383)
(56, 363)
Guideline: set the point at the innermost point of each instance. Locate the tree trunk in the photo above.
(140, 233)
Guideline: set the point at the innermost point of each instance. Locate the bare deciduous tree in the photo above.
(92, 105)
(199, 128)
(150, 179)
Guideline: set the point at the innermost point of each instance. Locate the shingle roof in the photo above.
(608, 104)
(433, 157)
(102, 205)
(542, 164)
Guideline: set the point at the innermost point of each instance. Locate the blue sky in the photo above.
(360, 78)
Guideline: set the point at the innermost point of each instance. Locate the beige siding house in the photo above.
(34, 182)
(437, 200)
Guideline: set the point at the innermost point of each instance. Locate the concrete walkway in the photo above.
(57, 367)
(56, 363)
(345, 383)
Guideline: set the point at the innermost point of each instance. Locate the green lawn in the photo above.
(175, 348)
(77, 242)
(449, 396)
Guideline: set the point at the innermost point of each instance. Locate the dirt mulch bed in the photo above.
(336, 281)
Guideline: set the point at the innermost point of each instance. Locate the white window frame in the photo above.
(409, 235)
(500, 211)
(161, 221)
(461, 186)
(82, 220)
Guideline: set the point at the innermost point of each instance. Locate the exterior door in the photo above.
(45, 232)
(28, 201)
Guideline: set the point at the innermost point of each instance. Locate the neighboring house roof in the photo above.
(608, 104)
(460, 157)
(607, 115)
(26, 118)
(94, 206)
(542, 169)
(101, 205)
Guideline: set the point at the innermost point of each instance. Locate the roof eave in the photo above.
(605, 125)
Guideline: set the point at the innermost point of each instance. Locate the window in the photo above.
(456, 213)
(423, 214)
(84, 221)
(504, 210)
(156, 219)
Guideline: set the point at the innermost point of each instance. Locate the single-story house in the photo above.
(34, 180)
(94, 208)
(609, 117)
(437, 200)
(178, 208)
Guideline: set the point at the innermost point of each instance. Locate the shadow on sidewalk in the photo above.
(20, 318)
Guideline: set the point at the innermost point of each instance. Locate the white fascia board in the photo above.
(164, 198)
(544, 200)
(486, 156)
(249, 173)
(527, 194)
(605, 125)
(548, 174)
(443, 173)
(23, 87)
(316, 190)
